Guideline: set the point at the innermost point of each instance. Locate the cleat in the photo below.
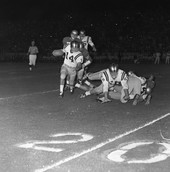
(61, 95)
(82, 96)
(100, 99)
(71, 91)
(79, 81)
(30, 68)
(66, 87)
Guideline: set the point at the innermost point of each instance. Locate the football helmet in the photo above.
(74, 46)
(130, 73)
(82, 33)
(113, 67)
(74, 34)
(81, 45)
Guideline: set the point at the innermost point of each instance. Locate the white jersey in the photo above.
(72, 58)
(87, 40)
(109, 81)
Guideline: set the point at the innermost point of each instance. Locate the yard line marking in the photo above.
(31, 94)
(77, 155)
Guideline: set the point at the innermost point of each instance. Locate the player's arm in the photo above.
(37, 51)
(28, 53)
(66, 41)
(105, 86)
(124, 82)
(79, 60)
(91, 43)
(87, 62)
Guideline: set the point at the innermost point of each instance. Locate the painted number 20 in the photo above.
(40, 145)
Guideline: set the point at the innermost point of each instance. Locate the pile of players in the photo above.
(116, 84)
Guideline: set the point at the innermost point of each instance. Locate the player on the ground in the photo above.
(32, 52)
(87, 40)
(73, 60)
(139, 88)
(109, 78)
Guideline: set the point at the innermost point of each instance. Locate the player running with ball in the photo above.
(73, 60)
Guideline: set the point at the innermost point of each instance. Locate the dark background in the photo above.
(136, 25)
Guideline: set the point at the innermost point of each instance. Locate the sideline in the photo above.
(77, 155)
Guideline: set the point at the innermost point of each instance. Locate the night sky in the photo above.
(53, 9)
(135, 22)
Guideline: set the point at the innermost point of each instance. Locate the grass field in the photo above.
(41, 132)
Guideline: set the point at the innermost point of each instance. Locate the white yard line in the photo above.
(77, 155)
(31, 94)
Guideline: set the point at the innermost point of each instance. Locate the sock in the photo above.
(87, 93)
(77, 85)
(61, 88)
(87, 83)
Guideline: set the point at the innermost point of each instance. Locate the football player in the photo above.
(167, 57)
(32, 52)
(109, 78)
(87, 60)
(87, 40)
(157, 56)
(66, 41)
(73, 60)
(139, 89)
(147, 89)
(73, 36)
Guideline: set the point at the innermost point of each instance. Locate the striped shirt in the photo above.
(109, 81)
(71, 59)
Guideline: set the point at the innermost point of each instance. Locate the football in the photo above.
(57, 53)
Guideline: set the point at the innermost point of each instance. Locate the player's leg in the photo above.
(63, 74)
(82, 87)
(30, 62)
(95, 76)
(92, 76)
(34, 57)
(72, 76)
(80, 76)
(89, 84)
(96, 90)
(67, 84)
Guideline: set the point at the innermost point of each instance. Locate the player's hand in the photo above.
(147, 103)
(103, 100)
(126, 98)
(135, 102)
(82, 96)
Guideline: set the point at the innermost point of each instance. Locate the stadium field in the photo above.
(41, 132)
